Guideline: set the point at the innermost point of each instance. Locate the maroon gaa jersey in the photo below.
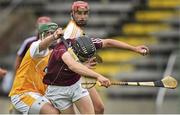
(58, 72)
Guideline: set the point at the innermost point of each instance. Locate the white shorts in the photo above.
(29, 102)
(63, 97)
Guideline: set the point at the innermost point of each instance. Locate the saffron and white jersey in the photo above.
(29, 75)
(72, 30)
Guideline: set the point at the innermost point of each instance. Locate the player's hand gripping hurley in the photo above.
(167, 82)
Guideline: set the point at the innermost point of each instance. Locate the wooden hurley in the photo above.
(167, 82)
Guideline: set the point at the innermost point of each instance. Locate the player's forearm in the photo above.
(45, 43)
(118, 44)
(83, 70)
(78, 67)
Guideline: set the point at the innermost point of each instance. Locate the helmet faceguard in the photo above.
(84, 48)
(46, 28)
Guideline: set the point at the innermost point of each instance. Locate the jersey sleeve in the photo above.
(67, 34)
(97, 42)
(34, 50)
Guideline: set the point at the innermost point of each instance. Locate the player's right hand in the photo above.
(58, 33)
(104, 81)
(142, 49)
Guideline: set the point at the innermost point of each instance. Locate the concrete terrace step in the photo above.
(142, 63)
(162, 48)
(144, 75)
(129, 90)
(163, 4)
(147, 15)
(168, 33)
(157, 53)
(95, 7)
(155, 66)
(143, 28)
(150, 60)
(4, 3)
(139, 75)
(174, 20)
(97, 1)
(93, 32)
(150, 63)
(101, 33)
(120, 57)
(34, 1)
(94, 19)
(138, 92)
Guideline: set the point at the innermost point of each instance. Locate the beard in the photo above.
(81, 23)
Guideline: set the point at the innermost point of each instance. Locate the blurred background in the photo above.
(155, 23)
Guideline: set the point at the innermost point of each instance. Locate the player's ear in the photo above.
(72, 14)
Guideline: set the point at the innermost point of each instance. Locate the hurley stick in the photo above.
(167, 82)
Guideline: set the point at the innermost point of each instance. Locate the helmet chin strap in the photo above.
(42, 35)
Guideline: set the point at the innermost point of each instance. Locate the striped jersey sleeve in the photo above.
(97, 42)
(34, 50)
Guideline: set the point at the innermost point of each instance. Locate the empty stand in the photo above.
(154, 23)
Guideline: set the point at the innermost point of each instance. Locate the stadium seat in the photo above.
(155, 15)
(143, 29)
(163, 3)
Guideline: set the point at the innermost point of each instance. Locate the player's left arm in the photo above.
(40, 47)
(142, 49)
(46, 42)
